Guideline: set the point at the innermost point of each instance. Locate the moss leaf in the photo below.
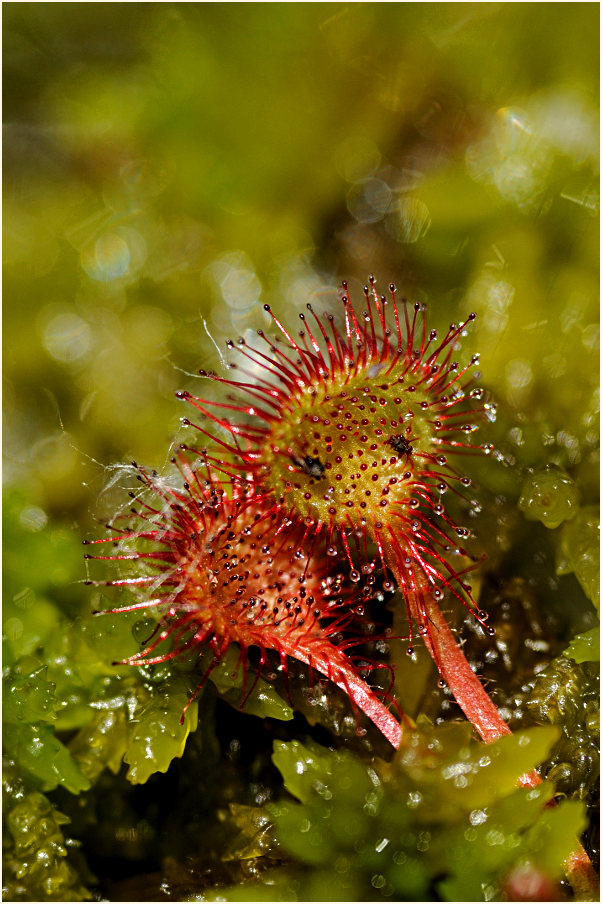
(156, 734)
(585, 647)
(44, 758)
(263, 701)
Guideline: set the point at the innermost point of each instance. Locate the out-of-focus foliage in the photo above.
(444, 817)
(168, 169)
(585, 647)
(549, 496)
(580, 551)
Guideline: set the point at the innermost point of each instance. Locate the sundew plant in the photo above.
(301, 510)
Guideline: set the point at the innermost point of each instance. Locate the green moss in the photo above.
(567, 694)
(35, 865)
(585, 647)
(580, 551)
(29, 698)
(44, 758)
(101, 743)
(444, 818)
(156, 735)
(549, 496)
(263, 700)
(41, 565)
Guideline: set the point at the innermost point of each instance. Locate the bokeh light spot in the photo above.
(13, 628)
(410, 220)
(368, 201)
(67, 338)
(33, 518)
(356, 158)
(107, 259)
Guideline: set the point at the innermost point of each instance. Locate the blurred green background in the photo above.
(169, 168)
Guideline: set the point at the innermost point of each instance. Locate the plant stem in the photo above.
(453, 666)
(455, 670)
(339, 671)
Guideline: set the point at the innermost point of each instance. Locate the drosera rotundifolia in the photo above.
(219, 565)
(358, 435)
(335, 472)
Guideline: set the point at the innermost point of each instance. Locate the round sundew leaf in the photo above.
(227, 572)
